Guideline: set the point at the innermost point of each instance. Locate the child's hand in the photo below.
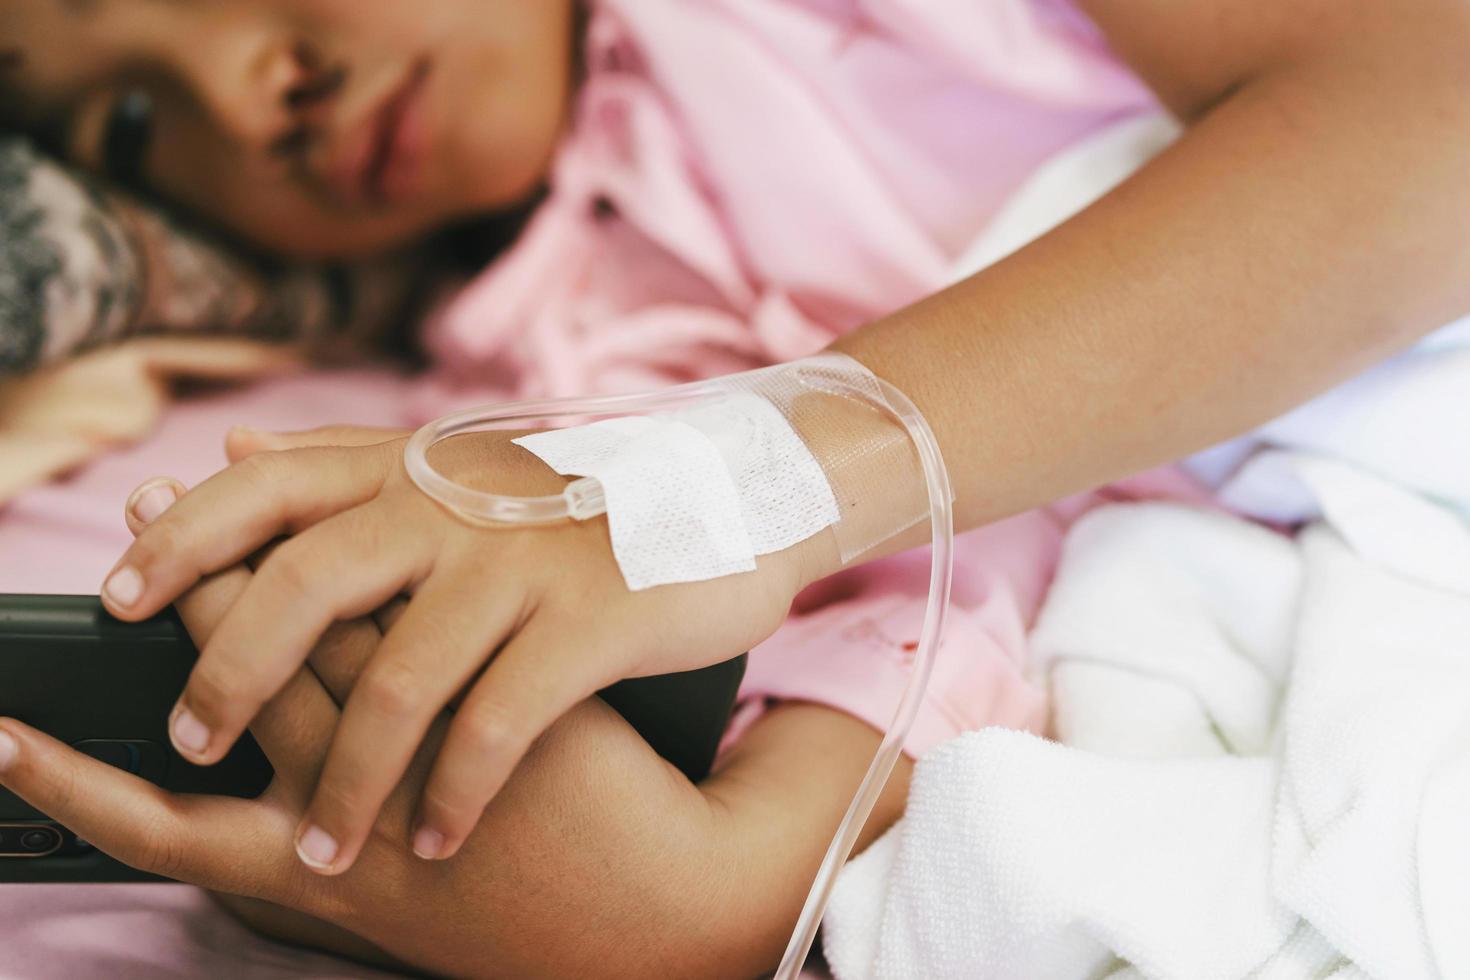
(58, 417)
(556, 876)
(521, 623)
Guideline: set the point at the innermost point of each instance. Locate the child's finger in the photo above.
(230, 515)
(343, 650)
(538, 677)
(442, 639)
(342, 653)
(295, 728)
(342, 568)
(390, 612)
(217, 358)
(147, 503)
(244, 441)
(223, 844)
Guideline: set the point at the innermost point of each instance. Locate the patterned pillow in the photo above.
(82, 265)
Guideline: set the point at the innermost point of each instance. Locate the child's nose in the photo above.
(261, 90)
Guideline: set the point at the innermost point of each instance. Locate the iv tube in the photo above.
(582, 499)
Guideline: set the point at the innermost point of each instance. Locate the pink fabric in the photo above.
(144, 932)
(748, 179)
(63, 538)
(852, 642)
(745, 181)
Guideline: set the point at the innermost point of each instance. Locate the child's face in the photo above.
(310, 127)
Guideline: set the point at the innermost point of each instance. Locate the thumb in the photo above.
(244, 441)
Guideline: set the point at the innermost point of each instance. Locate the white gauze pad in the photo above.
(696, 494)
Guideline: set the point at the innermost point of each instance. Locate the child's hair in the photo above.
(58, 223)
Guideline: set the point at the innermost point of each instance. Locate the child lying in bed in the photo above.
(729, 185)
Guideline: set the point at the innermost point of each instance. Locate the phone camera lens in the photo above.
(39, 840)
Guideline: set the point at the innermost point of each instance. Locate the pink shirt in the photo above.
(745, 180)
(773, 172)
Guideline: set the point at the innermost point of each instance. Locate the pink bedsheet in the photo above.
(142, 932)
(63, 538)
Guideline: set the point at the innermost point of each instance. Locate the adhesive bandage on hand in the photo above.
(715, 473)
(698, 480)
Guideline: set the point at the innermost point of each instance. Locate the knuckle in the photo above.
(212, 691)
(161, 852)
(261, 477)
(339, 656)
(262, 470)
(487, 729)
(289, 571)
(166, 537)
(449, 809)
(393, 690)
(343, 806)
(60, 784)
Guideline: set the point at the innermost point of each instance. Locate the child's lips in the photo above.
(382, 159)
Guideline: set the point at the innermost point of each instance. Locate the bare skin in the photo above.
(1072, 363)
(1309, 222)
(763, 819)
(594, 836)
(256, 108)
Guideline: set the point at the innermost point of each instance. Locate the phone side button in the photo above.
(137, 756)
(152, 761)
(115, 752)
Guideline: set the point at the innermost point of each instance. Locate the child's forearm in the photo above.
(600, 840)
(1313, 220)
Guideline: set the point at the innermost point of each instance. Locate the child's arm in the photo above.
(716, 893)
(597, 859)
(1312, 220)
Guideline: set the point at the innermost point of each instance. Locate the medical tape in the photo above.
(696, 493)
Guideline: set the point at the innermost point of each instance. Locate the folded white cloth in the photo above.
(1407, 419)
(1267, 769)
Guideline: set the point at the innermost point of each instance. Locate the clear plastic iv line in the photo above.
(583, 500)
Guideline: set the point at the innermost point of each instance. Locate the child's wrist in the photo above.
(876, 476)
(812, 560)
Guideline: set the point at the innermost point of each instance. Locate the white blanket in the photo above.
(1266, 768)
(1267, 771)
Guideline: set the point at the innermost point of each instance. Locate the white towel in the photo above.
(1267, 768)
(1268, 772)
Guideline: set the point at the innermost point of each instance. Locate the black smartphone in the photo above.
(106, 687)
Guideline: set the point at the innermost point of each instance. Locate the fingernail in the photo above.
(316, 848)
(249, 431)
(152, 502)
(124, 586)
(9, 749)
(191, 736)
(428, 844)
